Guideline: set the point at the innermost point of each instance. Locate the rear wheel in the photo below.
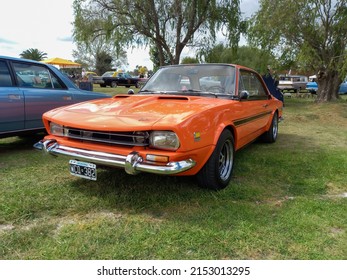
(216, 173)
(114, 84)
(270, 136)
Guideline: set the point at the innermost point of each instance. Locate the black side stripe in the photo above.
(252, 118)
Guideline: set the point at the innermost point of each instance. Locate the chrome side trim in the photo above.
(132, 163)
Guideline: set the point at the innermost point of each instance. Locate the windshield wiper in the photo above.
(210, 93)
(191, 90)
(225, 95)
(149, 91)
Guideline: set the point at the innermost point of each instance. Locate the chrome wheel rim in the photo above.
(275, 127)
(226, 160)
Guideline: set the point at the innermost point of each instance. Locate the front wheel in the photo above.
(114, 84)
(217, 171)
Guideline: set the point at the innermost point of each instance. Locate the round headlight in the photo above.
(166, 140)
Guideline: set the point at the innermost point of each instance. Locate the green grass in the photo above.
(285, 201)
(113, 91)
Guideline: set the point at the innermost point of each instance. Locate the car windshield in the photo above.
(107, 74)
(217, 80)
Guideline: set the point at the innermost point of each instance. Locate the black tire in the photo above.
(216, 173)
(137, 85)
(114, 84)
(270, 136)
(102, 85)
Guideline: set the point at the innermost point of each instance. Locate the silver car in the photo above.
(30, 88)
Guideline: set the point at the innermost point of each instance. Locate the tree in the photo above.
(142, 71)
(99, 55)
(167, 25)
(33, 54)
(248, 56)
(189, 60)
(156, 60)
(313, 31)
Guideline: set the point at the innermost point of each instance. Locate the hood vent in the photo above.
(183, 98)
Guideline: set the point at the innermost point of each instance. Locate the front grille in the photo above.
(131, 138)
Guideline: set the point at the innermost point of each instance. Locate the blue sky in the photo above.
(47, 26)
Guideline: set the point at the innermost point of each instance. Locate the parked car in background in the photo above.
(110, 74)
(96, 79)
(121, 79)
(30, 88)
(186, 120)
(312, 86)
(293, 83)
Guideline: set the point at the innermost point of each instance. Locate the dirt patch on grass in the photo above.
(5, 228)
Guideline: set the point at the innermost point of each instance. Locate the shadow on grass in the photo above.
(19, 143)
(143, 191)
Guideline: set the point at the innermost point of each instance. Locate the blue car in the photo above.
(28, 89)
(312, 87)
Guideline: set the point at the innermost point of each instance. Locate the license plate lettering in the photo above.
(84, 170)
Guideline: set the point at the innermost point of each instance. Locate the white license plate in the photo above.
(82, 169)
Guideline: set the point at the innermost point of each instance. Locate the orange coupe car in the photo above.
(186, 120)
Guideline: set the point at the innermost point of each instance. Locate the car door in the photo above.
(11, 101)
(254, 108)
(42, 91)
(121, 79)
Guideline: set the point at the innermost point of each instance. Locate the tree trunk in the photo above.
(179, 49)
(328, 86)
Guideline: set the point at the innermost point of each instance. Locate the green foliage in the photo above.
(103, 62)
(189, 60)
(312, 32)
(168, 26)
(33, 54)
(251, 57)
(154, 56)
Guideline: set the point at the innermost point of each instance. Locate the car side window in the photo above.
(35, 76)
(5, 76)
(250, 84)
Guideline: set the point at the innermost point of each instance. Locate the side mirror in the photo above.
(244, 95)
(130, 91)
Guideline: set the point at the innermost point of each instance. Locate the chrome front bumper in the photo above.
(132, 163)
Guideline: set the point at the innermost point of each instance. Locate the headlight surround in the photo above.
(166, 140)
(56, 129)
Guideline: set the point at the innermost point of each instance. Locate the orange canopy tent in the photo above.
(62, 63)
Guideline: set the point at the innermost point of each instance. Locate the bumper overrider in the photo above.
(133, 163)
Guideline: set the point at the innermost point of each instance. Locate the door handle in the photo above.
(67, 98)
(265, 105)
(14, 96)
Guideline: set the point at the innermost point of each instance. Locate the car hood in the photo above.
(134, 111)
